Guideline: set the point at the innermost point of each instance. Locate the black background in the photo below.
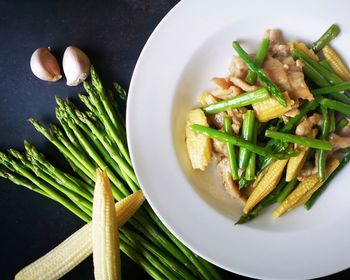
(112, 33)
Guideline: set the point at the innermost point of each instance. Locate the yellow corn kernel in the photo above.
(296, 163)
(304, 186)
(259, 178)
(302, 47)
(304, 190)
(336, 62)
(331, 167)
(270, 109)
(105, 239)
(76, 248)
(206, 99)
(198, 146)
(266, 184)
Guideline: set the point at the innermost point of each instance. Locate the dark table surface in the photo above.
(112, 33)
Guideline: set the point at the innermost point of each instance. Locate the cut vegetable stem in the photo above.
(301, 140)
(241, 100)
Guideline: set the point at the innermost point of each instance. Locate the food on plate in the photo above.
(277, 124)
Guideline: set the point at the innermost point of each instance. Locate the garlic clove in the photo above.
(44, 65)
(76, 66)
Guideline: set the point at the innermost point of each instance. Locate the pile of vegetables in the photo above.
(266, 155)
(91, 138)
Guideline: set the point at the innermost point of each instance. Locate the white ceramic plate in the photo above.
(191, 45)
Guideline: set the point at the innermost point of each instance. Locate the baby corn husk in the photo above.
(296, 163)
(302, 47)
(206, 99)
(304, 190)
(266, 184)
(331, 167)
(271, 108)
(217, 119)
(198, 146)
(336, 62)
(77, 247)
(105, 239)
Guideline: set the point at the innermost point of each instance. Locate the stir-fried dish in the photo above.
(277, 125)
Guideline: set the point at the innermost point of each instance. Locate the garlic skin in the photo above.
(76, 66)
(44, 65)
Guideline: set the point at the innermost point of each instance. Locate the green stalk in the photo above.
(123, 95)
(71, 137)
(238, 101)
(121, 92)
(98, 101)
(270, 199)
(326, 64)
(140, 260)
(20, 169)
(301, 140)
(61, 148)
(96, 82)
(287, 190)
(314, 75)
(73, 121)
(99, 162)
(139, 223)
(247, 134)
(324, 40)
(80, 201)
(307, 107)
(85, 99)
(279, 146)
(230, 149)
(318, 193)
(81, 157)
(115, 156)
(22, 182)
(321, 158)
(259, 59)
(336, 105)
(341, 97)
(329, 75)
(271, 86)
(213, 133)
(167, 260)
(250, 171)
(332, 89)
(78, 171)
(206, 269)
(154, 233)
(343, 122)
(61, 176)
(332, 122)
(148, 255)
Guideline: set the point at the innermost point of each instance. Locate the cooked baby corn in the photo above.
(304, 190)
(266, 185)
(77, 247)
(331, 167)
(198, 146)
(296, 163)
(105, 239)
(206, 99)
(271, 108)
(336, 62)
(302, 47)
